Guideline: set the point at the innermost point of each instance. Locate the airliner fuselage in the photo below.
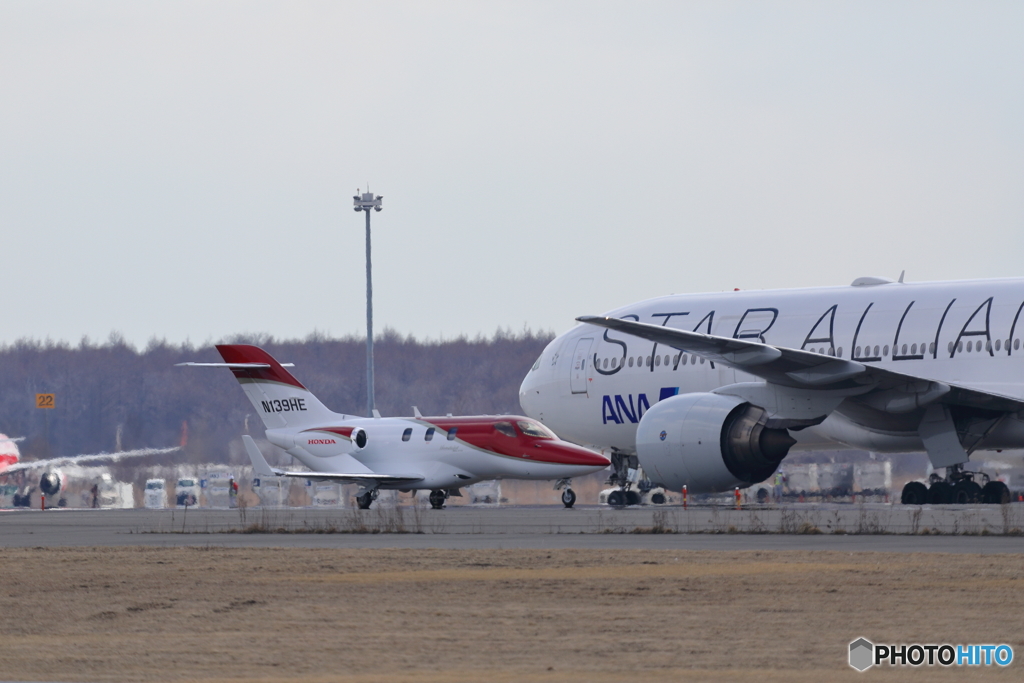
(885, 350)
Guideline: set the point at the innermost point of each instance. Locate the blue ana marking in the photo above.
(619, 410)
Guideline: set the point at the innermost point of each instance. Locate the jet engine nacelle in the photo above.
(709, 443)
(52, 482)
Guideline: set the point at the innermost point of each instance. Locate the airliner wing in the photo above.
(263, 469)
(805, 370)
(85, 459)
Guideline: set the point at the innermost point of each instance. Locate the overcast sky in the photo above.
(185, 170)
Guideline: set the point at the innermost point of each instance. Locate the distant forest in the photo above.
(113, 395)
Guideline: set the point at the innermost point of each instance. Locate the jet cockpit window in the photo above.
(505, 428)
(407, 434)
(537, 364)
(535, 430)
(451, 433)
(430, 434)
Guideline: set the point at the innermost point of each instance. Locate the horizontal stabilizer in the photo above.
(234, 366)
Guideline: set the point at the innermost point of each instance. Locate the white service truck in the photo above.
(155, 494)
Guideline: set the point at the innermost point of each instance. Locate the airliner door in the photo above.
(579, 370)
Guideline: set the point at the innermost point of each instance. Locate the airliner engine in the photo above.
(709, 443)
(52, 482)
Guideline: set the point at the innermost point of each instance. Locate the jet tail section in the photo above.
(279, 399)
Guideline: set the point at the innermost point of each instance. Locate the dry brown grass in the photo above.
(135, 614)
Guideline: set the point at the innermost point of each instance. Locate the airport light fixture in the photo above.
(368, 202)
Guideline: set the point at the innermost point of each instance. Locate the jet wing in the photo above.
(347, 478)
(783, 366)
(85, 459)
(263, 469)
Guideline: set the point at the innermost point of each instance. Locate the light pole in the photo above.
(365, 202)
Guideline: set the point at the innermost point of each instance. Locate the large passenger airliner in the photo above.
(711, 391)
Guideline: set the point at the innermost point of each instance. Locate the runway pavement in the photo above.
(873, 527)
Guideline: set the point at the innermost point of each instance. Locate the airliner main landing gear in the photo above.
(958, 487)
(624, 474)
(568, 495)
(363, 500)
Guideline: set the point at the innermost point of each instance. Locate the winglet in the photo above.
(416, 412)
(259, 463)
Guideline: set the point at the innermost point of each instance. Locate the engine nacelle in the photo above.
(709, 442)
(52, 482)
(358, 439)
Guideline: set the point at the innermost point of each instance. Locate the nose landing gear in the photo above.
(568, 495)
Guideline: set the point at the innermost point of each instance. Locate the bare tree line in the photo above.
(111, 394)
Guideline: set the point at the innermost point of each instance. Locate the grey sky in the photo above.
(185, 170)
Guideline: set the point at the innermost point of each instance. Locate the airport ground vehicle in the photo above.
(713, 390)
(186, 492)
(154, 496)
(439, 454)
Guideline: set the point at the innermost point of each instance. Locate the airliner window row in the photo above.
(882, 351)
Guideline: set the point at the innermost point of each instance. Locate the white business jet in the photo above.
(439, 454)
(712, 391)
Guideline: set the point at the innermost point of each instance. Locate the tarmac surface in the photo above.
(837, 527)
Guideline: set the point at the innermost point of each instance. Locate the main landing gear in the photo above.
(624, 473)
(568, 495)
(958, 488)
(437, 499)
(363, 500)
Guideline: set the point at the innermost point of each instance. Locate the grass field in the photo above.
(211, 614)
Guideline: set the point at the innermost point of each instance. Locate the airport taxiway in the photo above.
(870, 527)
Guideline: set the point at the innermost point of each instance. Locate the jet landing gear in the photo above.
(624, 474)
(437, 499)
(568, 495)
(363, 500)
(957, 487)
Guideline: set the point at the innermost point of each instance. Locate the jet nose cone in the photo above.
(571, 454)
